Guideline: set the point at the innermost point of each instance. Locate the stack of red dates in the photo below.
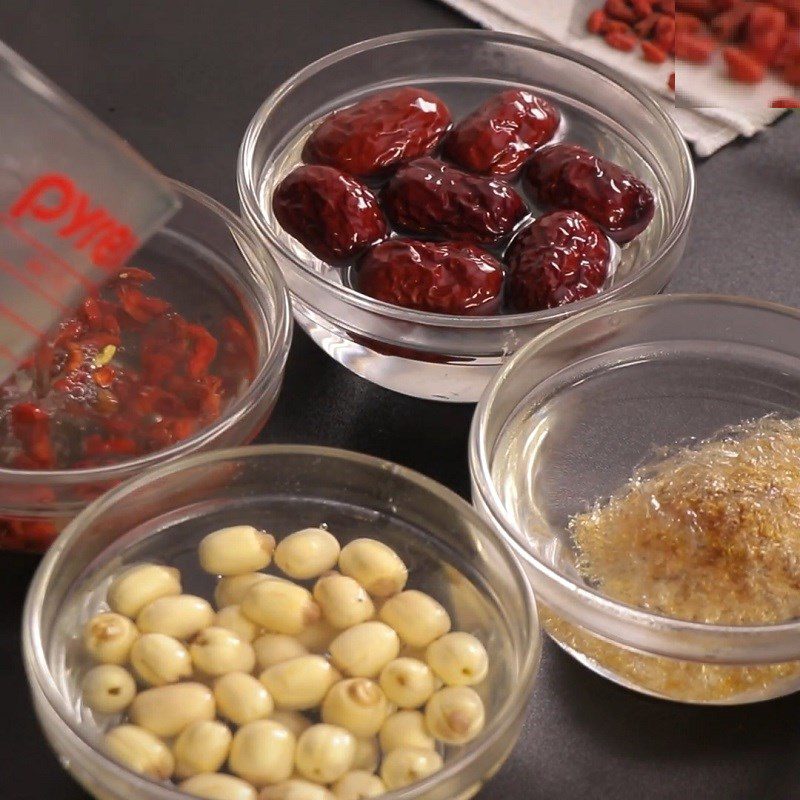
(371, 180)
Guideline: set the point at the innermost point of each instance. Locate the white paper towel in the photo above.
(706, 128)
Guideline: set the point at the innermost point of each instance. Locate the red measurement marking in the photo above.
(10, 269)
(44, 250)
(20, 321)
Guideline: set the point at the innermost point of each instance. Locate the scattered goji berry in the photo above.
(743, 67)
(694, 48)
(653, 53)
(785, 102)
(621, 41)
(596, 21)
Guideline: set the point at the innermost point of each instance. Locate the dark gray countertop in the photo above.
(181, 79)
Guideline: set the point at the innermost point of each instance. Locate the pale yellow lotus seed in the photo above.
(201, 746)
(344, 601)
(324, 753)
(406, 729)
(296, 789)
(358, 785)
(272, 648)
(407, 765)
(167, 710)
(357, 704)
(139, 585)
(262, 752)
(293, 720)
(375, 566)
(300, 683)
(364, 650)
(216, 651)
(236, 550)
(408, 683)
(241, 698)
(180, 616)
(368, 754)
(280, 607)
(140, 751)
(231, 617)
(307, 553)
(108, 638)
(317, 638)
(218, 786)
(416, 616)
(455, 714)
(459, 659)
(159, 659)
(231, 590)
(108, 688)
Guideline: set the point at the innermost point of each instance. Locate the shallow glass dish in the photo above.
(569, 418)
(208, 265)
(440, 356)
(162, 516)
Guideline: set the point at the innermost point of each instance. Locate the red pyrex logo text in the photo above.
(54, 199)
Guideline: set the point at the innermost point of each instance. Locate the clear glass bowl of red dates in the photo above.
(436, 199)
(183, 351)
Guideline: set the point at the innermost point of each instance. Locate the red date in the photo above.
(332, 214)
(569, 176)
(558, 259)
(384, 129)
(497, 137)
(429, 197)
(442, 277)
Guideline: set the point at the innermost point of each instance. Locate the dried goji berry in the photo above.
(596, 21)
(743, 67)
(785, 102)
(766, 30)
(671, 81)
(644, 27)
(694, 48)
(621, 41)
(729, 25)
(620, 9)
(653, 53)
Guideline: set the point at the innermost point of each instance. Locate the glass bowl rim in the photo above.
(34, 648)
(604, 611)
(248, 189)
(271, 366)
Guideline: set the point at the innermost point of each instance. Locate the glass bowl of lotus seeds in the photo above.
(281, 623)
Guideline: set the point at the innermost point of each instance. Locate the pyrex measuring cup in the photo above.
(75, 202)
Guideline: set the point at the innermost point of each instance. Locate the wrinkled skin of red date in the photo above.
(569, 176)
(497, 137)
(442, 277)
(561, 257)
(430, 197)
(381, 131)
(332, 214)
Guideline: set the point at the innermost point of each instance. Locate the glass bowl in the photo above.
(162, 515)
(208, 264)
(569, 418)
(440, 356)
